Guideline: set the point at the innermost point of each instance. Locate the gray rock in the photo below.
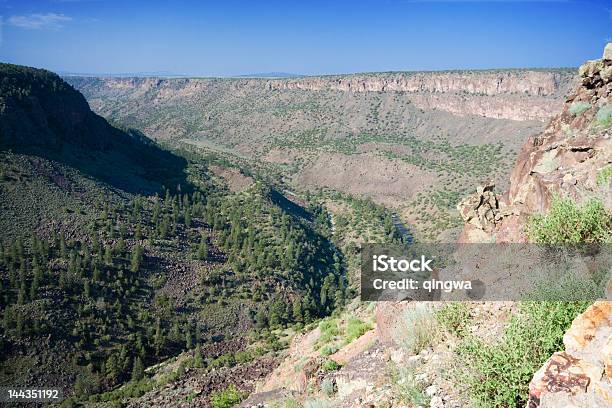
(607, 55)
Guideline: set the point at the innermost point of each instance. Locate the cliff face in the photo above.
(513, 94)
(564, 160)
(517, 95)
(38, 109)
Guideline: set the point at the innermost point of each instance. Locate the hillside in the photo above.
(117, 254)
(487, 354)
(409, 141)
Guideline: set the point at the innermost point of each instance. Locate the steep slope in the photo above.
(451, 354)
(104, 272)
(43, 115)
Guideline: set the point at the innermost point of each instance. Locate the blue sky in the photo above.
(232, 37)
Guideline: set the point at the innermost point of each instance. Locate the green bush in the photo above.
(420, 329)
(227, 398)
(604, 175)
(604, 115)
(498, 374)
(454, 317)
(330, 365)
(327, 387)
(407, 388)
(355, 328)
(329, 350)
(567, 223)
(578, 108)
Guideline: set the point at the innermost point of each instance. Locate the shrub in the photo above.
(327, 387)
(355, 328)
(498, 374)
(329, 350)
(330, 365)
(420, 328)
(227, 398)
(407, 388)
(604, 115)
(604, 175)
(578, 108)
(566, 223)
(454, 317)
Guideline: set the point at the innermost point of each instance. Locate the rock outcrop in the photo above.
(564, 160)
(527, 95)
(580, 376)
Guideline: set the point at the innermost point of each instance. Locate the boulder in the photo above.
(582, 374)
(607, 55)
(481, 209)
(590, 68)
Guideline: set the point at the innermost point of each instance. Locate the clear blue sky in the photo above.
(232, 37)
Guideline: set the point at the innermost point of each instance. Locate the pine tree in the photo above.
(137, 369)
(298, 315)
(136, 258)
(108, 255)
(188, 339)
(203, 249)
(198, 361)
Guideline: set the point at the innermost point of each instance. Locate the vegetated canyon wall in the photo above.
(501, 94)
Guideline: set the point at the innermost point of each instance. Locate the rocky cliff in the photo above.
(566, 160)
(527, 94)
(570, 158)
(513, 94)
(501, 94)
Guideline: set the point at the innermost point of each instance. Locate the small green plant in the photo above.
(407, 387)
(227, 398)
(420, 329)
(498, 374)
(578, 108)
(330, 365)
(604, 115)
(329, 350)
(327, 387)
(567, 223)
(454, 317)
(355, 328)
(604, 176)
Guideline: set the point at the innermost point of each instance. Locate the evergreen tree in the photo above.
(203, 249)
(136, 258)
(137, 369)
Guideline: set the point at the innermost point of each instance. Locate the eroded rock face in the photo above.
(564, 160)
(580, 376)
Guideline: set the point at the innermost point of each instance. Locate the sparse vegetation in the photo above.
(454, 317)
(406, 386)
(578, 108)
(604, 115)
(420, 328)
(498, 374)
(568, 223)
(227, 398)
(604, 176)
